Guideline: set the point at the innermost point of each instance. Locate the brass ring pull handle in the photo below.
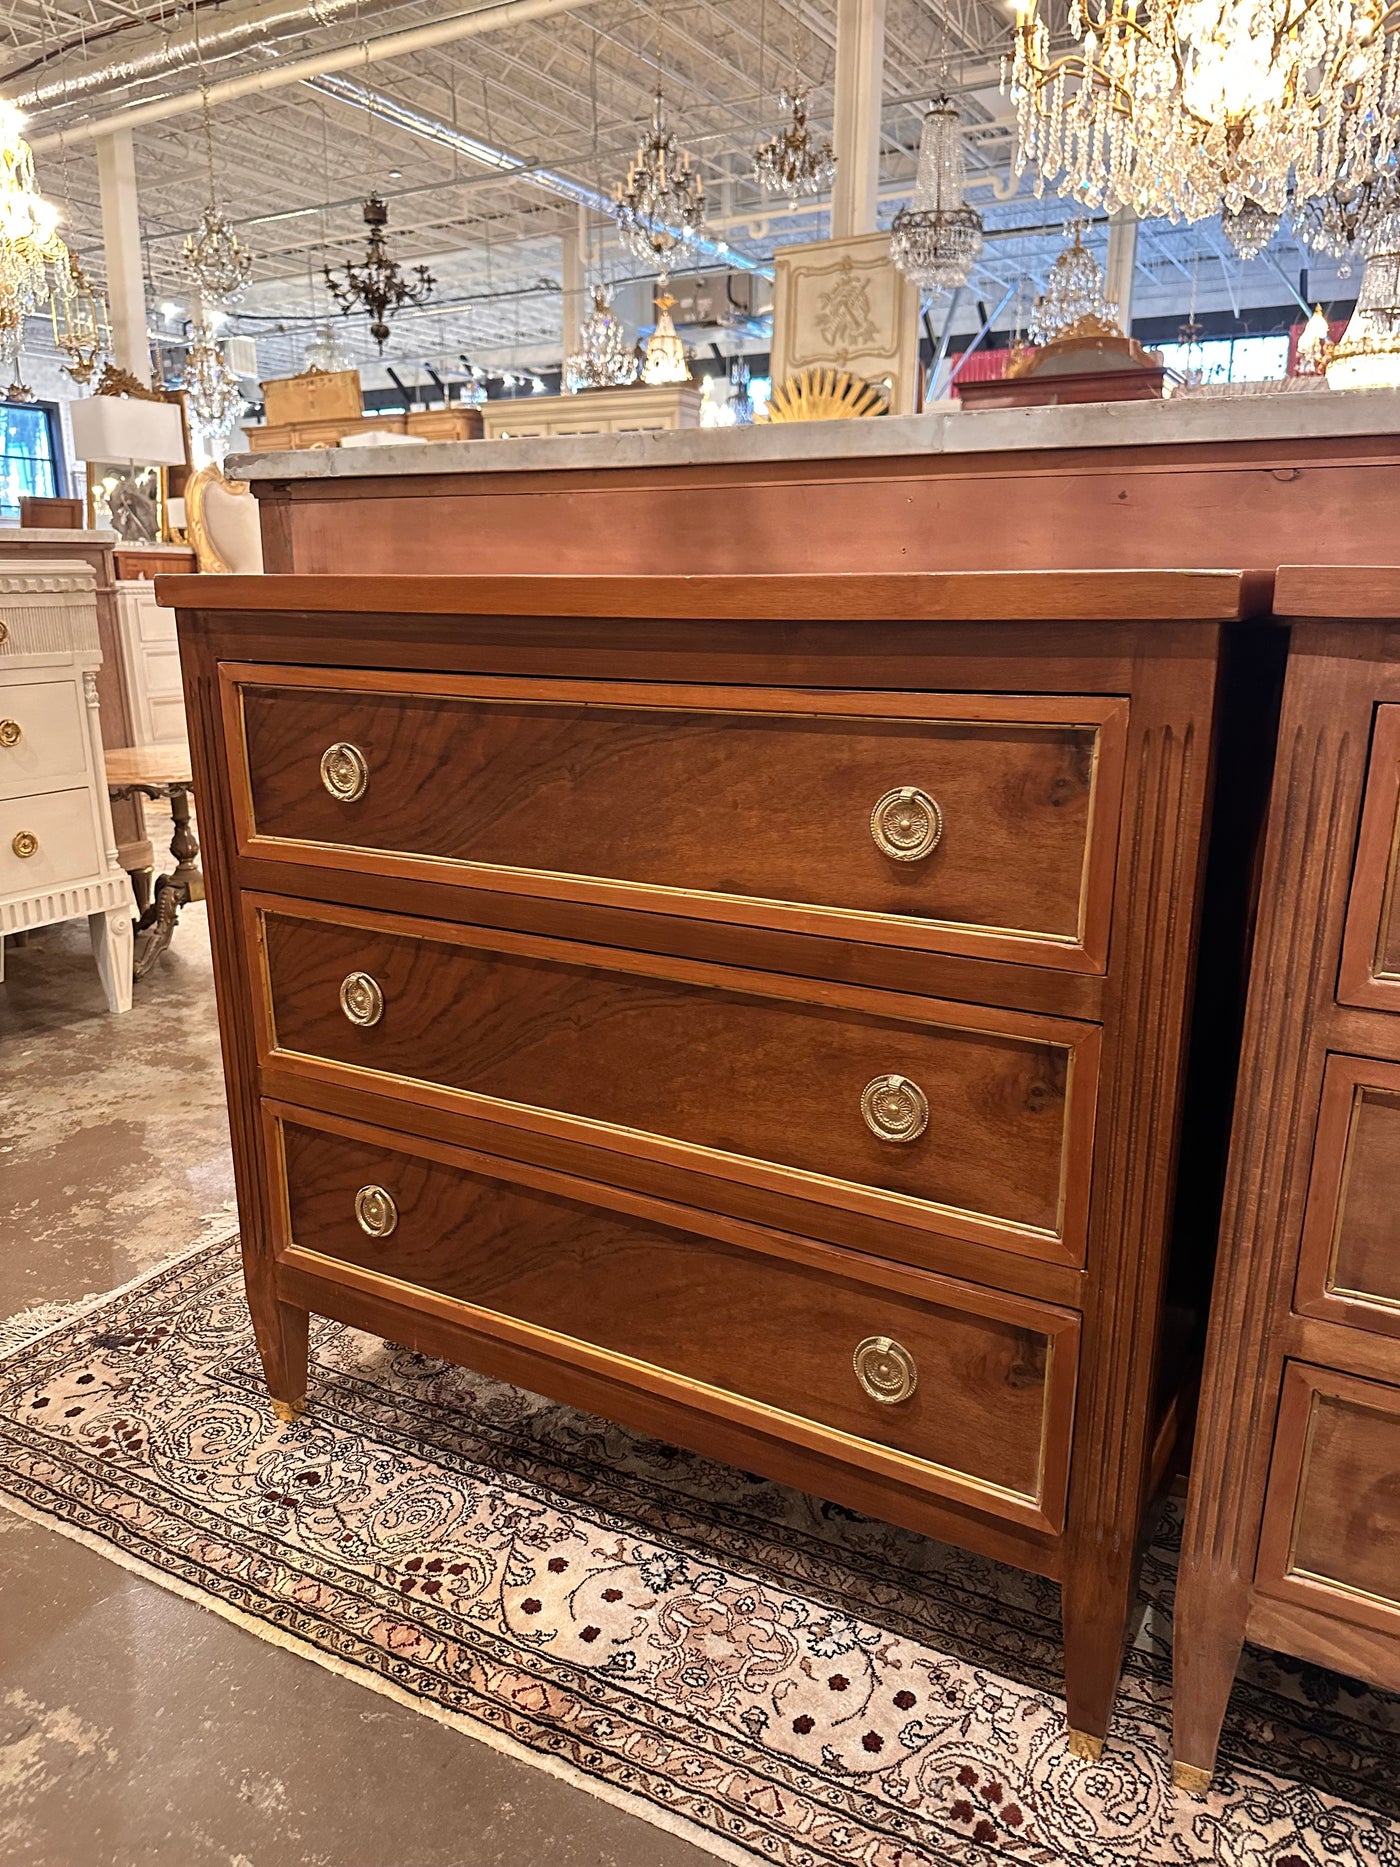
(10, 733)
(25, 844)
(344, 771)
(885, 1369)
(361, 998)
(4, 631)
(894, 1108)
(906, 824)
(375, 1212)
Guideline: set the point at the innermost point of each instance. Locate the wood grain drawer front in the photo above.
(666, 1298)
(756, 806)
(47, 842)
(761, 1080)
(1332, 1515)
(1349, 1264)
(43, 736)
(1370, 970)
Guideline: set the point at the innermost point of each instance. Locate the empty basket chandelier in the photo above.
(794, 162)
(661, 208)
(935, 240)
(377, 284)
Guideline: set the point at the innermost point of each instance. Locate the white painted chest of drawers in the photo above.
(58, 853)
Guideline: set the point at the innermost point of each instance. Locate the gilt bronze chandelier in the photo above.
(661, 206)
(378, 285)
(794, 162)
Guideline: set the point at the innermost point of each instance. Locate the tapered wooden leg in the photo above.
(1207, 1636)
(281, 1331)
(1095, 1600)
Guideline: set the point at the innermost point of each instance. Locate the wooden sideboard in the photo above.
(931, 492)
(419, 424)
(754, 1009)
(1293, 1520)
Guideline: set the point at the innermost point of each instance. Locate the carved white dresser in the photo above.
(58, 853)
(151, 664)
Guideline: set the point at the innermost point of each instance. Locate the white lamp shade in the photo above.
(120, 428)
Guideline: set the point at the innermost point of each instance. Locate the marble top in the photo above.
(947, 429)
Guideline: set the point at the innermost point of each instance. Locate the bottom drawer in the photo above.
(803, 1341)
(47, 841)
(1332, 1513)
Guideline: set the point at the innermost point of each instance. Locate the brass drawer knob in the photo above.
(361, 999)
(906, 824)
(885, 1369)
(894, 1108)
(375, 1211)
(25, 843)
(344, 771)
(10, 733)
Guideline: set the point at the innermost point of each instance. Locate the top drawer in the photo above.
(1370, 970)
(964, 823)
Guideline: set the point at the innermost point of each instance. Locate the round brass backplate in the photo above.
(361, 999)
(906, 824)
(25, 843)
(344, 771)
(894, 1108)
(10, 733)
(885, 1369)
(375, 1211)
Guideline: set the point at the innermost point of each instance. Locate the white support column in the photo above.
(1121, 269)
(571, 269)
(860, 76)
(121, 245)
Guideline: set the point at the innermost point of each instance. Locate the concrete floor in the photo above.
(136, 1729)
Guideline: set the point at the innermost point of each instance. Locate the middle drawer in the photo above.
(966, 1120)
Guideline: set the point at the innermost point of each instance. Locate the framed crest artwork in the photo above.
(843, 304)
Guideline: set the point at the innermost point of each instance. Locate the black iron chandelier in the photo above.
(377, 284)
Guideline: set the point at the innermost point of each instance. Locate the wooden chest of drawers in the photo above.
(751, 1008)
(1293, 1528)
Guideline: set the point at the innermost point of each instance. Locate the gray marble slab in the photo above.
(947, 429)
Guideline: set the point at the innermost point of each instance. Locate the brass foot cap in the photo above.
(1194, 1781)
(1085, 1744)
(288, 1410)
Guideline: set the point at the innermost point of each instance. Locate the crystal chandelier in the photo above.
(1249, 228)
(326, 352)
(937, 237)
(1179, 107)
(377, 282)
(604, 359)
(81, 331)
(218, 263)
(793, 162)
(1349, 214)
(1367, 355)
(661, 209)
(212, 395)
(1073, 304)
(664, 360)
(33, 260)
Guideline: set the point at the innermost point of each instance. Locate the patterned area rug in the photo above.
(773, 1677)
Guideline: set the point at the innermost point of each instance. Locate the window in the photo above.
(1230, 359)
(29, 464)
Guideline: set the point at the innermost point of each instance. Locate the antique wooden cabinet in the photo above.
(1293, 1524)
(752, 1008)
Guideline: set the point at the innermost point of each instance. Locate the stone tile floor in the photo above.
(136, 1729)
